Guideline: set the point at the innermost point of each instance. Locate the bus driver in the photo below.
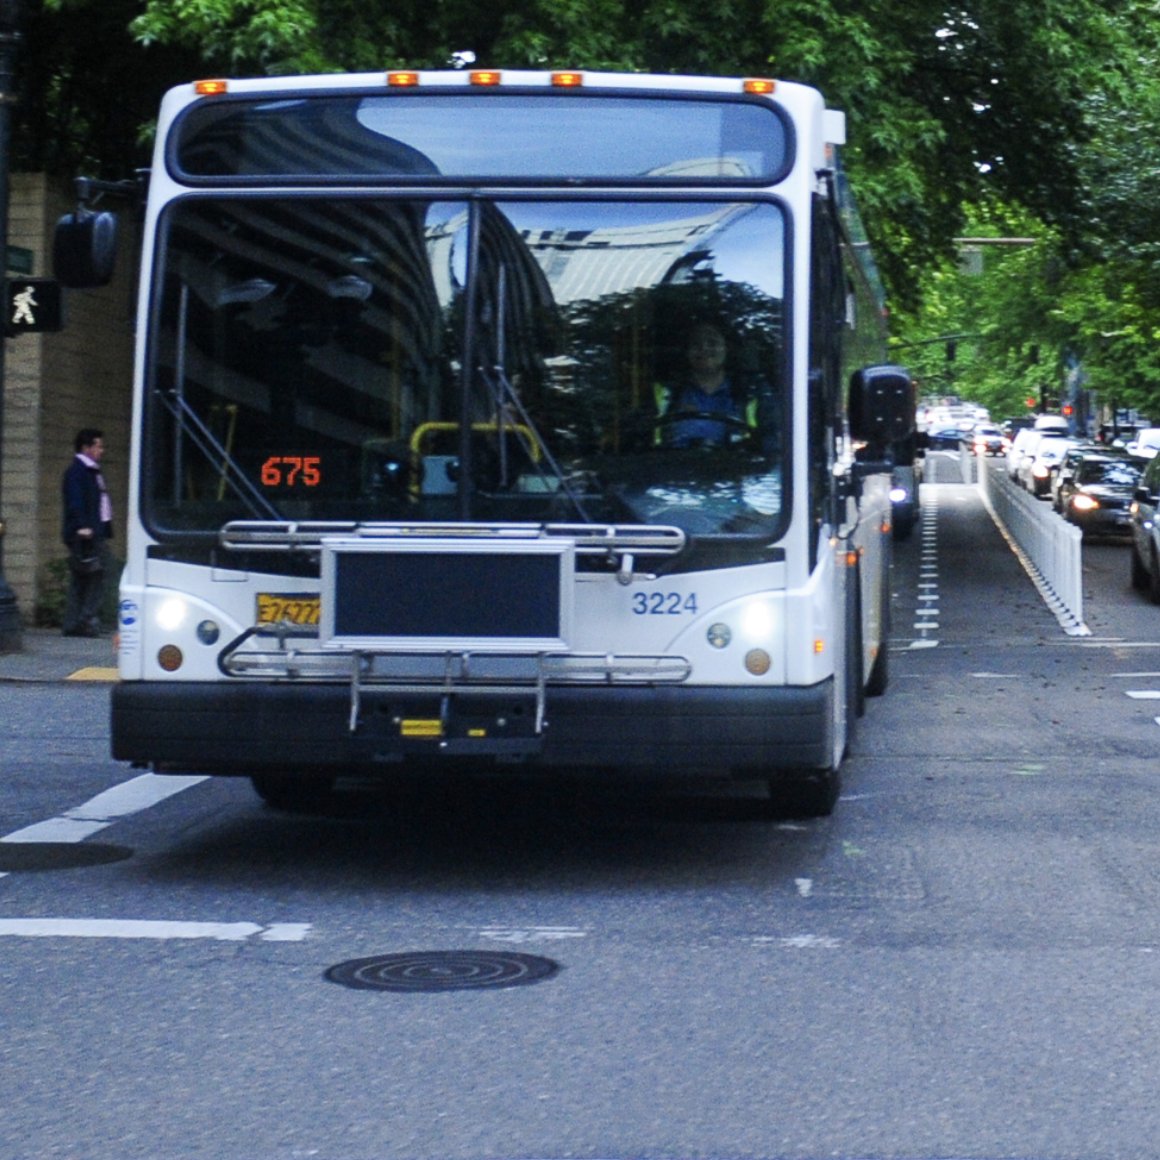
(719, 411)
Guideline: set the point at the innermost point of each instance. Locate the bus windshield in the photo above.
(489, 136)
(538, 359)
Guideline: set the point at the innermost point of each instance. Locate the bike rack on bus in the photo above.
(294, 651)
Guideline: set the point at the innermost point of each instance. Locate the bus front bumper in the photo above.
(245, 728)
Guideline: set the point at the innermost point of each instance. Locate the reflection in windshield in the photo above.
(1111, 474)
(374, 359)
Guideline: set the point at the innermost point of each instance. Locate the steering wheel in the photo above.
(729, 422)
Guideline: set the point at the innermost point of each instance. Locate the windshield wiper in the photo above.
(190, 423)
(505, 395)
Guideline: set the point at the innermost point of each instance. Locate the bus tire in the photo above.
(880, 673)
(813, 796)
(295, 794)
(855, 692)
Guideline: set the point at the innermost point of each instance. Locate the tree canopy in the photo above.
(962, 117)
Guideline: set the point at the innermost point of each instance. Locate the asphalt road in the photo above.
(963, 962)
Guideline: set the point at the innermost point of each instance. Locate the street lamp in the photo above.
(10, 21)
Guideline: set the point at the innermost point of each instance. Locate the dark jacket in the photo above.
(81, 500)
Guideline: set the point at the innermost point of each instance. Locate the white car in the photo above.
(1146, 444)
(1036, 471)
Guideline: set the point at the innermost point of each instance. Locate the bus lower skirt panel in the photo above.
(260, 727)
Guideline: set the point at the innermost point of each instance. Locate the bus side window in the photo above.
(827, 312)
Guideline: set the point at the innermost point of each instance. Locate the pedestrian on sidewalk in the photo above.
(86, 529)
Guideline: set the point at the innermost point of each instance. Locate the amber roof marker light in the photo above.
(211, 88)
(760, 86)
(402, 79)
(567, 80)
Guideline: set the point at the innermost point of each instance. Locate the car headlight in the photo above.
(1084, 503)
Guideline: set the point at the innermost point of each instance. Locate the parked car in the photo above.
(1098, 495)
(987, 439)
(1146, 531)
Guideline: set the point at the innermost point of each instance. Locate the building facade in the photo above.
(56, 383)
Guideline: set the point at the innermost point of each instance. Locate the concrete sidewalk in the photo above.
(48, 656)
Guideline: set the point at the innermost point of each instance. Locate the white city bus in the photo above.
(426, 473)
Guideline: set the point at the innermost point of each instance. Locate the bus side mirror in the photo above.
(84, 249)
(881, 406)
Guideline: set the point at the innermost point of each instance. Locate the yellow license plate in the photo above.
(274, 608)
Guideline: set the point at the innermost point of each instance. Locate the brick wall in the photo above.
(55, 384)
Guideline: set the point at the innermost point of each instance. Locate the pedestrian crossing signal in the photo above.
(31, 305)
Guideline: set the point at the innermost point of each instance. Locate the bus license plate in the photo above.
(275, 608)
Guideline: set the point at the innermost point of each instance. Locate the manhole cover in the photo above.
(442, 971)
(20, 856)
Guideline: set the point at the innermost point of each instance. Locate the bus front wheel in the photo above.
(295, 793)
(814, 796)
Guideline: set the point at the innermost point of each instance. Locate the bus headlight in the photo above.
(757, 621)
(898, 494)
(170, 614)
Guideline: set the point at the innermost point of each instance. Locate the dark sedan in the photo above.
(947, 438)
(1097, 497)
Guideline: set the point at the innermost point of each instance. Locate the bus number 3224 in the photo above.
(664, 603)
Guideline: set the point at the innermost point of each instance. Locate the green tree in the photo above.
(86, 91)
(948, 104)
(1088, 293)
(1043, 110)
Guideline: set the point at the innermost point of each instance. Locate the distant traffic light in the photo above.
(1030, 401)
(1068, 410)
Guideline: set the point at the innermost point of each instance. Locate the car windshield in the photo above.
(1111, 472)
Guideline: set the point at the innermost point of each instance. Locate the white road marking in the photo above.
(120, 801)
(151, 929)
(56, 830)
(800, 941)
(109, 806)
(532, 933)
(1143, 694)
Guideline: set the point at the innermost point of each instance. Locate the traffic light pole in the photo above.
(10, 13)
